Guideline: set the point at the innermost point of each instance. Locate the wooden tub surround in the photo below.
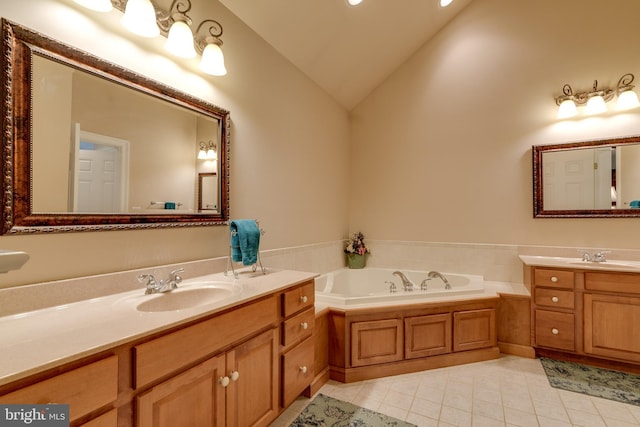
(375, 342)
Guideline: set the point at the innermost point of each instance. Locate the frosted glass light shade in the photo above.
(596, 105)
(211, 154)
(202, 155)
(445, 3)
(97, 5)
(567, 109)
(212, 61)
(180, 40)
(140, 18)
(627, 100)
(354, 2)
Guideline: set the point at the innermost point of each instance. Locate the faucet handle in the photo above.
(585, 255)
(173, 276)
(150, 280)
(601, 256)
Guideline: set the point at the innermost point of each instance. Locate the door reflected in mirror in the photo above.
(593, 178)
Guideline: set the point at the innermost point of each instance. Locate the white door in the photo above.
(99, 171)
(568, 179)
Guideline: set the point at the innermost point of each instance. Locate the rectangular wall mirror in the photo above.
(587, 179)
(89, 145)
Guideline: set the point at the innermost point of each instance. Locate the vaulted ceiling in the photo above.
(346, 50)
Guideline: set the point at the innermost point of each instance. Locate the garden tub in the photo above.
(346, 287)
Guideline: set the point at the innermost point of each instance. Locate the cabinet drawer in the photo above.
(110, 419)
(554, 298)
(298, 299)
(555, 330)
(612, 282)
(172, 352)
(85, 389)
(298, 327)
(297, 370)
(553, 278)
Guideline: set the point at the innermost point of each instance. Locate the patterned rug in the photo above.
(605, 383)
(325, 411)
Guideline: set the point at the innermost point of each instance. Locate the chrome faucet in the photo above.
(596, 257)
(434, 274)
(155, 287)
(406, 283)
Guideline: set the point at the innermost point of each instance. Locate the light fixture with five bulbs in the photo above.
(143, 18)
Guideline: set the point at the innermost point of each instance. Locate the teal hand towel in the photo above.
(245, 242)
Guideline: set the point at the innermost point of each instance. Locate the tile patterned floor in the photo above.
(510, 391)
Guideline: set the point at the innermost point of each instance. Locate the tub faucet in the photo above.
(434, 274)
(155, 287)
(406, 283)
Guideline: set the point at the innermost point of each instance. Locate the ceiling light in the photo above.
(97, 5)
(445, 3)
(354, 2)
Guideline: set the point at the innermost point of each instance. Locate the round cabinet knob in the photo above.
(554, 279)
(555, 299)
(303, 369)
(304, 325)
(304, 299)
(223, 381)
(234, 375)
(554, 331)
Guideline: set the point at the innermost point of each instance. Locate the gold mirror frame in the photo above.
(18, 46)
(539, 210)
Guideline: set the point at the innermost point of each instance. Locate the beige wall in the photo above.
(441, 152)
(289, 145)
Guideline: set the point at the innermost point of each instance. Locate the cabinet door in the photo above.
(252, 398)
(191, 399)
(474, 329)
(610, 326)
(427, 335)
(376, 341)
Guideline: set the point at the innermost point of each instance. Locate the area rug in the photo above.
(325, 411)
(605, 383)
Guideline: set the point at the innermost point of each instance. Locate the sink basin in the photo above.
(183, 298)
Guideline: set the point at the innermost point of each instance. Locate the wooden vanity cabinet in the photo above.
(553, 309)
(585, 313)
(90, 388)
(237, 368)
(297, 351)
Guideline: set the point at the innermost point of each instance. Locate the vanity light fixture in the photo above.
(142, 17)
(212, 61)
(595, 101)
(207, 151)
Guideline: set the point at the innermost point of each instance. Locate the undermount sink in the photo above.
(182, 298)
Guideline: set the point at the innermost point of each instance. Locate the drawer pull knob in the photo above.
(223, 381)
(554, 331)
(304, 299)
(304, 325)
(555, 299)
(234, 375)
(554, 279)
(303, 369)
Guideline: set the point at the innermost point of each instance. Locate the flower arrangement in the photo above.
(355, 245)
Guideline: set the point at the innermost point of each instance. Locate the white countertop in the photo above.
(577, 263)
(37, 340)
